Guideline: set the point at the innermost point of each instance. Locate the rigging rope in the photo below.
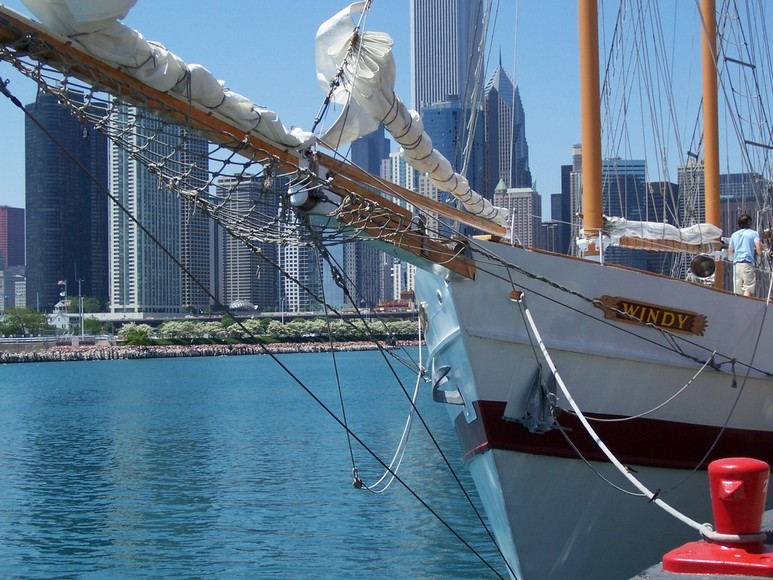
(211, 211)
(705, 530)
(394, 465)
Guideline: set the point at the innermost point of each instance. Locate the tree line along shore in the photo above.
(61, 353)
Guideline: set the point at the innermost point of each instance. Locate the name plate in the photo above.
(625, 310)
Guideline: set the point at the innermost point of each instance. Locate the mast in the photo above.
(590, 104)
(710, 114)
(711, 123)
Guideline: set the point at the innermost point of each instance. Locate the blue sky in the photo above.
(265, 51)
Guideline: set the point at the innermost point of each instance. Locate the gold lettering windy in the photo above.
(625, 310)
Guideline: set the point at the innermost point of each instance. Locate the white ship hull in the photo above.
(553, 514)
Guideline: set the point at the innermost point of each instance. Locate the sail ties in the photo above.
(96, 27)
(367, 88)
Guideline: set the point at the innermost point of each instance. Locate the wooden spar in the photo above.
(31, 39)
(409, 196)
(711, 123)
(60, 52)
(710, 113)
(659, 245)
(590, 101)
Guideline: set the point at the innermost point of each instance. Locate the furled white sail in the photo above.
(617, 227)
(367, 74)
(353, 121)
(96, 27)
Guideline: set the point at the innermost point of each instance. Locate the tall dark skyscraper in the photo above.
(66, 210)
(507, 153)
(11, 237)
(625, 195)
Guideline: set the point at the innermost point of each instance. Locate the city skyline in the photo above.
(444, 111)
(289, 85)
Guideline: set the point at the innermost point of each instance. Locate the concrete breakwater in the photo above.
(80, 353)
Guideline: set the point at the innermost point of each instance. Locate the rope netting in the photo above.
(244, 194)
(239, 182)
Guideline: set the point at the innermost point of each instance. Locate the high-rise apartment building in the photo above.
(66, 205)
(506, 152)
(143, 277)
(446, 51)
(363, 262)
(395, 169)
(249, 278)
(11, 237)
(525, 207)
(738, 193)
(303, 284)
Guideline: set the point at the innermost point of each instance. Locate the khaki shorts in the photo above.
(745, 278)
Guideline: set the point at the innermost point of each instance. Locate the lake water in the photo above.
(225, 467)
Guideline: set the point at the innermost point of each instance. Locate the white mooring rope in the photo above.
(706, 530)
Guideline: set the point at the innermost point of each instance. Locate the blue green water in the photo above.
(223, 467)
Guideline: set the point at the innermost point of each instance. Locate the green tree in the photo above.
(247, 330)
(92, 326)
(25, 322)
(214, 330)
(89, 304)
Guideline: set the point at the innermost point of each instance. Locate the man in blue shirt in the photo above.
(744, 246)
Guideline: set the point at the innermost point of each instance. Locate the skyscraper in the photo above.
(446, 50)
(143, 277)
(447, 125)
(248, 278)
(624, 191)
(525, 207)
(66, 205)
(363, 262)
(447, 60)
(11, 237)
(506, 152)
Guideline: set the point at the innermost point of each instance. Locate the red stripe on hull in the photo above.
(646, 442)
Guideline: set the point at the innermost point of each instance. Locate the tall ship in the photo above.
(588, 397)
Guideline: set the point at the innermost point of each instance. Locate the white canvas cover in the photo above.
(368, 80)
(96, 27)
(617, 227)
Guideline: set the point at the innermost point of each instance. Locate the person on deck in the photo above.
(744, 247)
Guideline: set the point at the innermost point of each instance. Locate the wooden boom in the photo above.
(30, 39)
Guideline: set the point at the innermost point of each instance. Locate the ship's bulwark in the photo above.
(657, 404)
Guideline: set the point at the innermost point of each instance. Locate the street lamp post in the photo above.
(80, 305)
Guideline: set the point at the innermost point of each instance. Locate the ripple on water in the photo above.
(219, 467)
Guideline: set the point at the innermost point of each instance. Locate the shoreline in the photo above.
(105, 352)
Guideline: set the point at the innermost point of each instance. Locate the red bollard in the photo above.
(739, 487)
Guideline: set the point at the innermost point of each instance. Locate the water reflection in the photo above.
(220, 467)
